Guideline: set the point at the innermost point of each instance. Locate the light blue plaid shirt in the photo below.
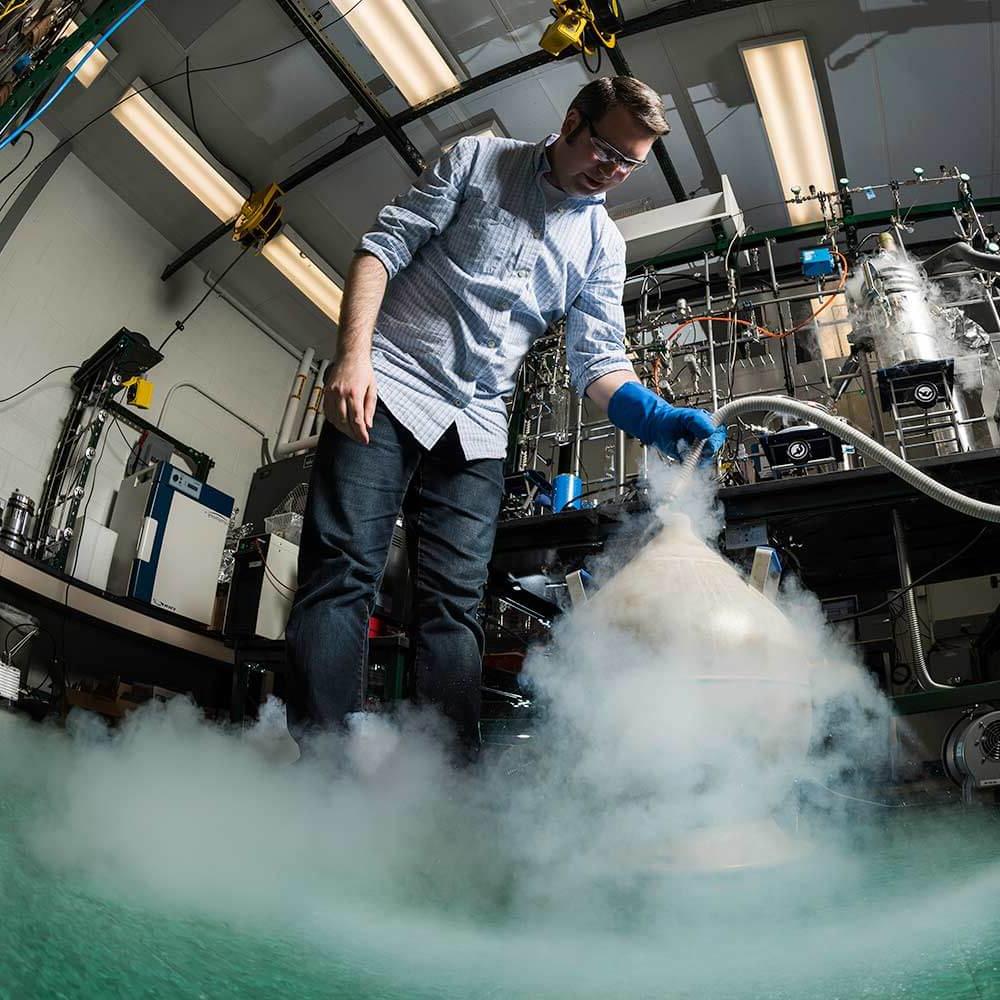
(478, 269)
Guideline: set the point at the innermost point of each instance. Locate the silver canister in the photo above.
(17, 516)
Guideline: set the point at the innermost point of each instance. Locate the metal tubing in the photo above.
(312, 396)
(711, 344)
(577, 433)
(296, 352)
(324, 367)
(620, 461)
(287, 448)
(292, 406)
(787, 234)
(924, 679)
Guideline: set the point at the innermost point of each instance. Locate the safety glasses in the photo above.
(606, 153)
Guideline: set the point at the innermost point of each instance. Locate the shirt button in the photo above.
(493, 343)
(539, 234)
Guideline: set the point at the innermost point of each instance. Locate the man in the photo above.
(446, 293)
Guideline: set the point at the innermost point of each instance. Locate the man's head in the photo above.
(608, 131)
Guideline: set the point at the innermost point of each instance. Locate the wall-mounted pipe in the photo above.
(286, 448)
(296, 352)
(313, 398)
(288, 421)
(314, 405)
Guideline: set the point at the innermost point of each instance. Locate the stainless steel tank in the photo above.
(910, 335)
(17, 517)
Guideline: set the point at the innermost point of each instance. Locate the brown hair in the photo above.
(599, 96)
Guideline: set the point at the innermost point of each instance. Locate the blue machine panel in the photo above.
(817, 262)
(170, 482)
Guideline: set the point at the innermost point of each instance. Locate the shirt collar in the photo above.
(542, 166)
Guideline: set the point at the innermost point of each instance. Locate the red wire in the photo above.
(763, 330)
(270, 575)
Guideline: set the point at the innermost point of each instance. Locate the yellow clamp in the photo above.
(139, 392)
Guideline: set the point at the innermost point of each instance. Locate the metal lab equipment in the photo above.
(971, 752)
(265, 577)
(171, 532)
(17, 516)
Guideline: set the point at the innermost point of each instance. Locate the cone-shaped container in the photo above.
(740, 669)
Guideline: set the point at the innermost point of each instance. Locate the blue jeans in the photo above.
(356, 494)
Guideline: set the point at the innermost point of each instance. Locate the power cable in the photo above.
(916, 583)
(722, 120)
(39, 630)
(73, 72)
(197, 131)
(179, 325)
(14, 170)
(586, 65)
(90, 496)
(128, 444)
(158, 83)
(21, 392)
(275, 582)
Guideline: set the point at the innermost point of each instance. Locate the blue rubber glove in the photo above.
(640, 412)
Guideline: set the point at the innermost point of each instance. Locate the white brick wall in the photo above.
(80, 265)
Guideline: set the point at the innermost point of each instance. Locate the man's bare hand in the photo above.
(349, 397)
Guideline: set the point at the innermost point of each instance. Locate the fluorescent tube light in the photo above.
(305, 274)
(182, 159)
(95, 65)
(179, 157)
(401, 47)
(785, 90)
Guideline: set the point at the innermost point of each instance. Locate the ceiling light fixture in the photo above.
(401, 47)
(784, 87)
(179, 156)
(182, 158)
(95, 65)
(306, 272)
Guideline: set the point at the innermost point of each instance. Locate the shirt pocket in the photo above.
(482, 238)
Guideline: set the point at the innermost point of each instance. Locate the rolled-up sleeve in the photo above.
(595, 323)
(411, 219)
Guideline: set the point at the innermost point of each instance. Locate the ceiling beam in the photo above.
(622, 68)
(684, 10)
(355, 86)
(809, 230)
(289, 184)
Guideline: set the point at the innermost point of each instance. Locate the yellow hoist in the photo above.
(586, 25)
(260, 218)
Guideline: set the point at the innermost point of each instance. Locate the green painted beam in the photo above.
(937, 700)
(864, 220)
(38, 80)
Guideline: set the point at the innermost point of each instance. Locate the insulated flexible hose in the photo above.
(862, 442)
